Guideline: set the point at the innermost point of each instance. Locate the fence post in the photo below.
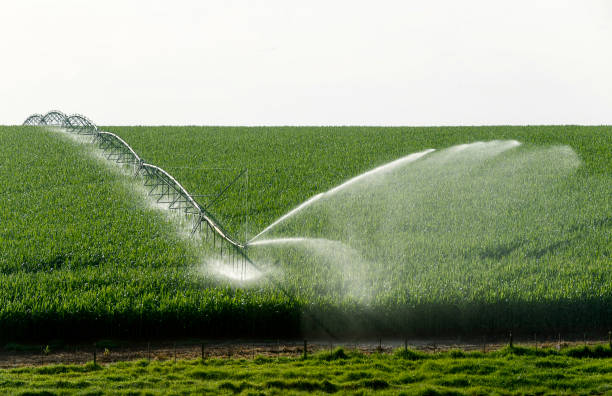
(305, 349)
(95, 350)
(202, 352)
(511, 341)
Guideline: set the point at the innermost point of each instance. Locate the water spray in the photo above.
(376, 171)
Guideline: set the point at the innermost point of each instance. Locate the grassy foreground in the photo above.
(510, 371)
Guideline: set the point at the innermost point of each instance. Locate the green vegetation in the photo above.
(81, 255)
(287, 165)
(538, 264)
(510, 371)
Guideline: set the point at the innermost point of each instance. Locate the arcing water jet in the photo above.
(371, 173)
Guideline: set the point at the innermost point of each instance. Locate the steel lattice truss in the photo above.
(34, 119)
(164, 188)
(80, 124)
(54, 118)
(74, 123)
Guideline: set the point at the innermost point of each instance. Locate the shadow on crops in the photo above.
(566, 316)
(539, 253)
(55, 263)
(604, 222)
(500, 251)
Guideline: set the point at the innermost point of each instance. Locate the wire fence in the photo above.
(106, 351)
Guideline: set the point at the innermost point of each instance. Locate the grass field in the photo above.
(82, 255)
(510, 371)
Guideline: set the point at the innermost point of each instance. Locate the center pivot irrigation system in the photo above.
(161, 185)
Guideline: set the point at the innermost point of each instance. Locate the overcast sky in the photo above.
(474, 62)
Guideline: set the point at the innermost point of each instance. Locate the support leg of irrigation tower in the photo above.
(196, 225)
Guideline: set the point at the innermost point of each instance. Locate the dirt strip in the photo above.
(108, 352)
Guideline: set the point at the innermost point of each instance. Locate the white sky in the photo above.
(308, 62)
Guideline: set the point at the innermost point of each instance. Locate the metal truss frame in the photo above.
(54, 118)
(165, 187)
(161, 186)
(74, 123)
(34, 119)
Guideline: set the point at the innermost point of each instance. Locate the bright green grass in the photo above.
(89, 259)
(517, 371)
